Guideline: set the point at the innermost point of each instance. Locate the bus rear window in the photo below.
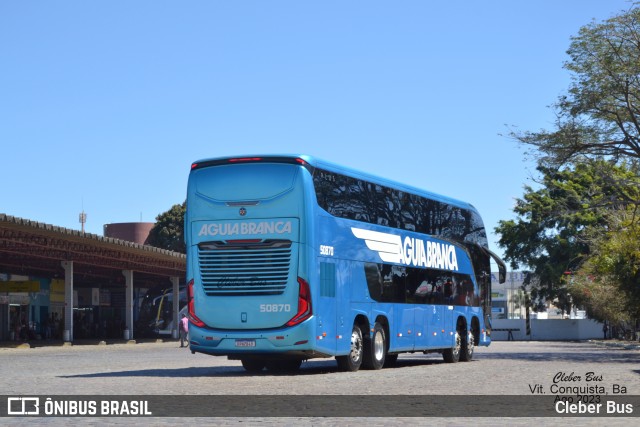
(245, 181)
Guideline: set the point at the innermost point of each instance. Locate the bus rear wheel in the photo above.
(375, 350)
(467, 348)
(352, 361)
(452, 355)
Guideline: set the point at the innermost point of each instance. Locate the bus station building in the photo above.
(58, 283)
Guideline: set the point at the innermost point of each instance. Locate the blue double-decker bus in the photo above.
(291, 258)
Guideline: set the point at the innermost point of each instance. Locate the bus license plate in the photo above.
(245, 343)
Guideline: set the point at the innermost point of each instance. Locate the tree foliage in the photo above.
(579, 232)
(168, 232)
(600, 113)
(552, 233)
(608, 284)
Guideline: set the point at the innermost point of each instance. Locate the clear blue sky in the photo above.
(105, 104)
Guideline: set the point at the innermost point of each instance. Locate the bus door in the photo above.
(404, 316)
(425, 292)
(418, 294)
(448, 325)
(404, 329)
(421, 326)
(436, 331)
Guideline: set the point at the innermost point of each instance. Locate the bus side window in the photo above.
(374, 281)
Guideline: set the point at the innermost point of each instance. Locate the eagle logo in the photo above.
(387, 245)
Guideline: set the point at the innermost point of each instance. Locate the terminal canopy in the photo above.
(35, 249)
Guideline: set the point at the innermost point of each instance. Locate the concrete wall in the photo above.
(548, 330)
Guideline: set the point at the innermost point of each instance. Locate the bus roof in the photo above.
(314, 162)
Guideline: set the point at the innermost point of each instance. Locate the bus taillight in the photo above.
(192, 311)
(304, 304)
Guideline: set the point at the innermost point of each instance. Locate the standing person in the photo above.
(46, 330)
(605, 329)
(56, 326)
(184, 330)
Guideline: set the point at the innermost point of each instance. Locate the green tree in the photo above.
(551, 235)
(168, 232)
(608, 283)
(571, 224)
(600, 113)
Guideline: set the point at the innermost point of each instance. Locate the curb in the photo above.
(78, 343)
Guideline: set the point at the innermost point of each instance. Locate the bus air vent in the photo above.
(245, 267)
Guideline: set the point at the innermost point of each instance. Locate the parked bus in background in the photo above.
(156, 312)
(291, 258)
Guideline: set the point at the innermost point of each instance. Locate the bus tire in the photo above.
(352, 361)
(253, 365)
(375, 349)
(452, 355)
(466, 353)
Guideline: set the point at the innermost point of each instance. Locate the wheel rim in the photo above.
(378, 345)
(356, 346)
(470, 344)
(458, 344)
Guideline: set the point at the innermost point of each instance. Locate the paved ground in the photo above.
(505, 368)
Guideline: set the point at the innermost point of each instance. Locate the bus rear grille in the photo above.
(245, 268)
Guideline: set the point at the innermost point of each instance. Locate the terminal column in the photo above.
(67, 335)
(128, 278)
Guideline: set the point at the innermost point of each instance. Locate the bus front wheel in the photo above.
(352, 361)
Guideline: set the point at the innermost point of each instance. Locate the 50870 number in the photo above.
(274, 308)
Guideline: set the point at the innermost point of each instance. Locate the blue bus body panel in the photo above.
(272, 341)
(261, 291)
(242, 219)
